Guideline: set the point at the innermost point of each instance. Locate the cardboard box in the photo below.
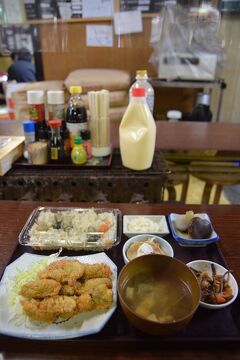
(11, 148)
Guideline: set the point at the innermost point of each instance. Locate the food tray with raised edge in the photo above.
(184, 239)
(92, 229)
(212, 328)
(145, 224)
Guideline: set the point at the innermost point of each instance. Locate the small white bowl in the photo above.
(167, 248)
(205, 265)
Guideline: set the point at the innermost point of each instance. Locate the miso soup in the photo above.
(158, 297)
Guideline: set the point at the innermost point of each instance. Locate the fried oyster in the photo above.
(65, 288)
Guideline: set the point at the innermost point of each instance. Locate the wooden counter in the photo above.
(178, 136)
(181, 144)
(226, 219)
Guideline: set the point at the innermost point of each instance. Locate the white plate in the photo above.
(158, 220)
(79, 325)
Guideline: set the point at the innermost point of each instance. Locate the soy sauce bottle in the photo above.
(55, 143)
(76, 115)
(65, 136)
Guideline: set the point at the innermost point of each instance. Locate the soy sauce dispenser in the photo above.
(201, 111)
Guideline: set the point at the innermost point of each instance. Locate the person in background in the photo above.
(22, 68)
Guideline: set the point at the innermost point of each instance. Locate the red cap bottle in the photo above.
(138, 92)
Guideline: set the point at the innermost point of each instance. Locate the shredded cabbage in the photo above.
(14, 285)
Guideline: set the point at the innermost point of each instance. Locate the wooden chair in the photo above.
(219, 180)
(177, 178)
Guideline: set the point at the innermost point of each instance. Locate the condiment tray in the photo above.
(145, 224)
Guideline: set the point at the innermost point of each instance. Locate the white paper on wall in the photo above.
(99, 35)
(13, 11)
(97, 8)
(127, 22)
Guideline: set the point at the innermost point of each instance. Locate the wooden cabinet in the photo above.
(64, 49)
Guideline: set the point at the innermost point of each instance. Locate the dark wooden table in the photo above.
(226, 220)
(178, 136)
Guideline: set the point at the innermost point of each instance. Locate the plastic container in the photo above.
(201, 111)
(88, 237)
(38, 153)
(29, 134)
(78, 154)
(137, 133)
(142, 82)
(29, 131)
(76, 115)
(174, 115)
(87, 144)
(56, 107)
(35, 100)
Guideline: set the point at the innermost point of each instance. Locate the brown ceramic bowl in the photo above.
(156, 264)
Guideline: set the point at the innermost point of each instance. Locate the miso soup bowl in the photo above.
(156, 264)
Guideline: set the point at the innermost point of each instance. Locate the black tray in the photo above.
(93, 163)
(207, 326)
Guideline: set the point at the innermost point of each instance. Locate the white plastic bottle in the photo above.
(142, 82)
(56, 107)
(137, 133)
(174, 115)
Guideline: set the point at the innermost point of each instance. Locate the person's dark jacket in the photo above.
(22, 70)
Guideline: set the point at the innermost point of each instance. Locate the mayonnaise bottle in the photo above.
(137, 133)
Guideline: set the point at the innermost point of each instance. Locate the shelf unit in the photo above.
(209, 85)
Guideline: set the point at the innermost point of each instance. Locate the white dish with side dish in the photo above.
(145, 224)
(184, 239)
(209, 268)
